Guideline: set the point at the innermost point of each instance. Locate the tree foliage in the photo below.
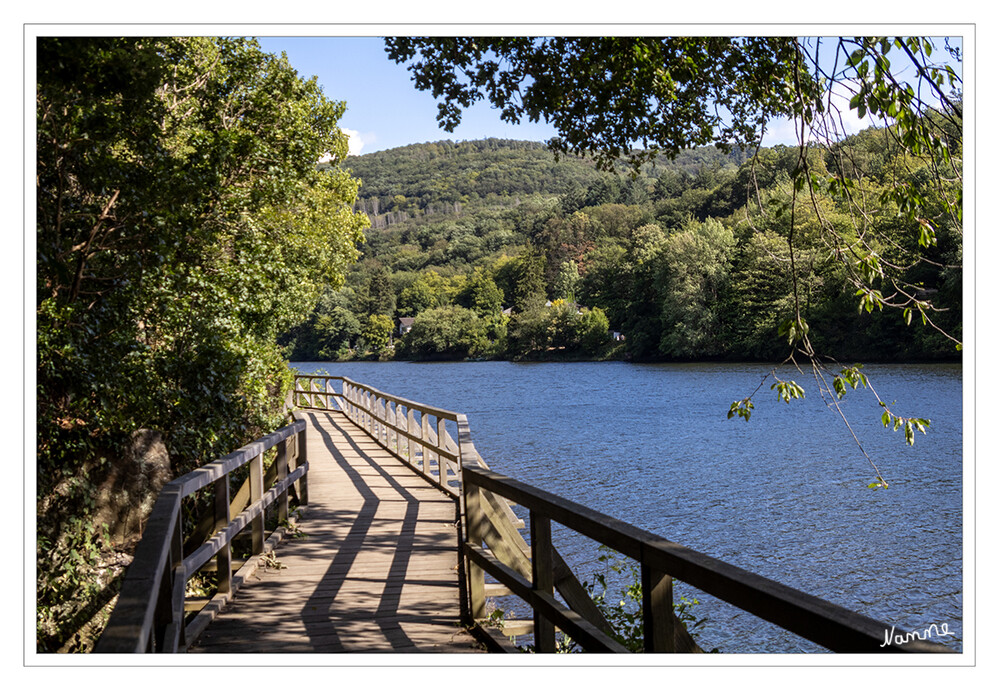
(182, 225)
(446, 332)
(696, 267)
(612, 97)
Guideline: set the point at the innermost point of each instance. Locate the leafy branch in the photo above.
(921, 131)
(623, 609)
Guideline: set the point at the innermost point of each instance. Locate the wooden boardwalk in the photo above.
(376, 571)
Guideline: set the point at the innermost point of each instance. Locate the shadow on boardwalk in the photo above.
(376, 571)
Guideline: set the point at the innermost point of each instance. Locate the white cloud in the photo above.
(354, 141)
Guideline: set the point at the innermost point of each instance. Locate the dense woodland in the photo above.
(687, 260)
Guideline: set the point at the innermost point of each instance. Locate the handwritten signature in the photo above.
(901, 638)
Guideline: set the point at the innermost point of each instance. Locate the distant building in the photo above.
(405, 324)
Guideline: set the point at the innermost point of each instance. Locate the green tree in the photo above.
(448, 332)
(182, 225)
(643, 313)
(560, 330)
(593, 331)
(527, 333)
(567, 281)
(696, 266)
(481, 294)
(336, 331)
(381, 296)
(328, 333)
(428, 291)
(529, 286)
(608, 279)
(377, 333)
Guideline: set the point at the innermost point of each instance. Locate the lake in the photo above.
(783, 495)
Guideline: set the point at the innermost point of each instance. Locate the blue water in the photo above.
(783, 495)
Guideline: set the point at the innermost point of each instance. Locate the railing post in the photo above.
(543, 579)
(401, 423)
(256, 493)
(425, 438)
(164, 617)
(380, 413)
(657, 611)
(163, 613)
(410, 424)
(391, 437)
(463, 596)
(383, 433)
(303, 457)
(474, 520)
(223, 561)
(177, 559)
(174, 637)
(442, 446)
(281, 462)
(396, 440)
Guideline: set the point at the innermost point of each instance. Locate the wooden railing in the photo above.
(491, 543)
(413, 432)
(150, 613)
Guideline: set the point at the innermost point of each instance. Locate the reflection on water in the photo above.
(783, 495)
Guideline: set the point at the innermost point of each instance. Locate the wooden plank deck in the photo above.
(377, 571)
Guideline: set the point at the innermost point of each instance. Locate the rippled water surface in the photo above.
(783, 495)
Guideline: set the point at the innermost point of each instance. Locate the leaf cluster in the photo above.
(612, 97)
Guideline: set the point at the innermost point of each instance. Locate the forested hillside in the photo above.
(687, 260)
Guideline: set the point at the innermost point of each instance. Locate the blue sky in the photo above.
(385, 110)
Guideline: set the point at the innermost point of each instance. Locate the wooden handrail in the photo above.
(438, 412)
(827, 624)
(424, 445)
(149, 614)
